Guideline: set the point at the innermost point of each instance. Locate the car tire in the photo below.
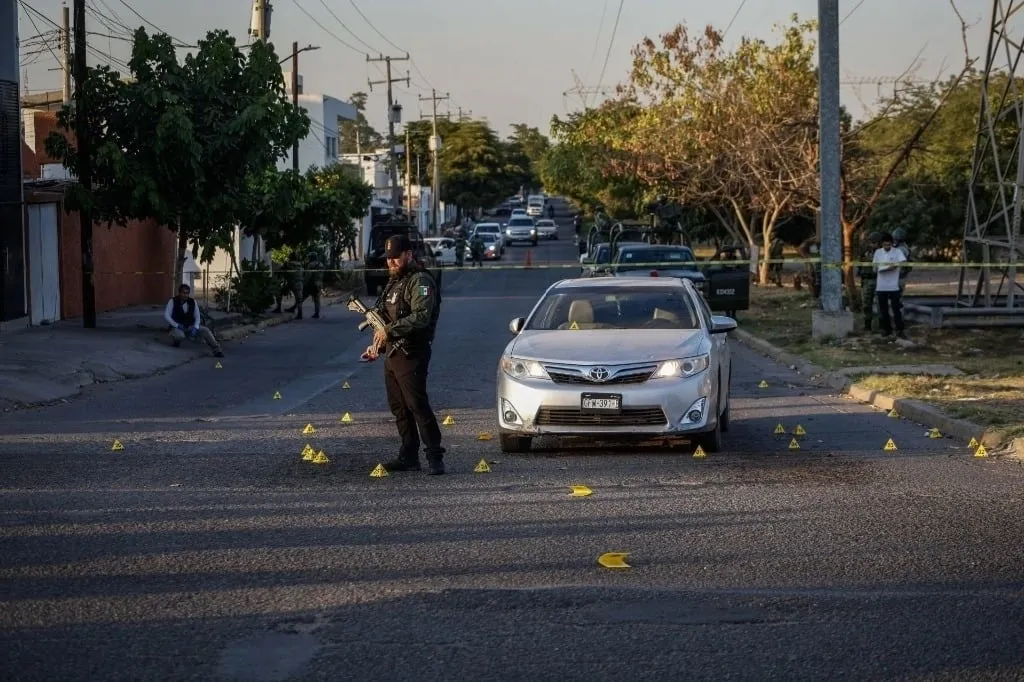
(512, 444)
(723, 421)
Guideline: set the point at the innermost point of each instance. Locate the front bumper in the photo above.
(658, 406)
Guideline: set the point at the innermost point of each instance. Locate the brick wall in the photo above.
(140, 247)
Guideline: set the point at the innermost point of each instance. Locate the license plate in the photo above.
(600, 402)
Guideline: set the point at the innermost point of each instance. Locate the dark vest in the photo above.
(182, 316)
(402, 307)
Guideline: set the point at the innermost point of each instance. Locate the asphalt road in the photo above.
(207, 550)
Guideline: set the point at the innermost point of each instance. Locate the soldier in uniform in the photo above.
(476, 250)
(293, 273)
(460, 248)
(775, 253)
(812, 249)
(868, 278)
(312, 284)
(412, 302)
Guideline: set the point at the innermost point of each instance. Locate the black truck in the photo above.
(375, 265)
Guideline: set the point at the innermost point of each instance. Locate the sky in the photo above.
(513, 62)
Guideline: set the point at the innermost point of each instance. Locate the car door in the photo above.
(720, 342)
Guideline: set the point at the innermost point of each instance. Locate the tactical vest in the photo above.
(401, 306)
(182, 315)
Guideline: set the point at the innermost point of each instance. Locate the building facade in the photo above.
(13, 288)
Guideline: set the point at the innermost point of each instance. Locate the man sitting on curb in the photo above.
(182, 313)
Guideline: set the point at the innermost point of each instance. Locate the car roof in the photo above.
(642, 246)
(617, 283)
(479, 225)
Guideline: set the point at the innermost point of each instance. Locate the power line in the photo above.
(147, 21)
(611, 42)
(327, 30)
(848, 14)
(734, 15)
(350, 32)
(36, 26)
(385, 39)
(597, 40)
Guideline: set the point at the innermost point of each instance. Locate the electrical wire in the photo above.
(350, 31)
(850, 13)
(597, 41)
(734, 15)
(147, 21)
(369, 23)
(608, 54)
(38, 30)
(327, 30)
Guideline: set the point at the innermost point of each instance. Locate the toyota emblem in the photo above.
(599, 374)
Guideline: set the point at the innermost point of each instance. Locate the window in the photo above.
(605, 308)
(331, 145)
(647, 259)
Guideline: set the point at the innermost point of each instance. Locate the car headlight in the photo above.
(522, 369)
(685, 367)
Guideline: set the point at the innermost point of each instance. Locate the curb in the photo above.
(914, 410)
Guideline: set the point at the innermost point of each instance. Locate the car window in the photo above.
(649, 259)
(604, 308)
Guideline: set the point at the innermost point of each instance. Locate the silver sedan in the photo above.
(613, 357)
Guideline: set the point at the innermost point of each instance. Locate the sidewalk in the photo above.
(41, 365)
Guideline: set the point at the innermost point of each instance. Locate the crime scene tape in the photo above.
(575, 265)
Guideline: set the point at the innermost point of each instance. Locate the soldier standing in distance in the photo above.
(313, 283)
(869, 279)
(412, 302)
(460, 248)
(476, 250)
(775, 253)
(293, 271)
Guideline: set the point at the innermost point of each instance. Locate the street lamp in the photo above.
(295, 91)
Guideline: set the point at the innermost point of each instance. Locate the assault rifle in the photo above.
(375, 319)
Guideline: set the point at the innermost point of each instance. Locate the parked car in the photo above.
(547, 229)
(616, 356)
(521, 229)
(443, 249)
(656, 260)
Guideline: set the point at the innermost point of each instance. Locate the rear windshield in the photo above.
(606, 308)
(650, 259)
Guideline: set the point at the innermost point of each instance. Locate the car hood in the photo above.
(607, 346)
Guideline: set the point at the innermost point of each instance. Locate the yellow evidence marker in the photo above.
(763, 384)
(574, 326)
(794, 445)
(981, 451)
(779, 430)
(485, 436)
(308, 430)
(277, 395)
(934, 433)
(449, 420)
(116, 446)
(613, 560)
(379, 472)
(346, 418)
(893, 414)
(307, 453)
(218, 366)
(346, 386)
(482, 467)
(799, 431)
(580, 491)
(890, 446)
(320, 458)
(973, 445)
(699, 453)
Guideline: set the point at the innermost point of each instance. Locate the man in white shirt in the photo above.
(182, 314)
(887, 262)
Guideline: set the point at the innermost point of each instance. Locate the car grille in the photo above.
(629, 416)
(625, 378)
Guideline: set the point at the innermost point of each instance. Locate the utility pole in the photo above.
(464, 117)
(435, 147)
(392, 116)
(295, 101)
(830, 321)
(408, 174)
(84, 168)
(65, 53)
(259, 27)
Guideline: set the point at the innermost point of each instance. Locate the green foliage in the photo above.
(358, 134)
(180, 142)
(342, 199)
(255, 288)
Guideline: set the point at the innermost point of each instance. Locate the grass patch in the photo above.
(990, 393)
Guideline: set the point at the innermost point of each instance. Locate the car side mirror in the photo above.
(516, 325)
(720, 324)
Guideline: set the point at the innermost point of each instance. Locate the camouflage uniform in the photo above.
(293, 277)
(775, 254)
(869, 279)
(476, 250)
(313, 282)
(460, 248)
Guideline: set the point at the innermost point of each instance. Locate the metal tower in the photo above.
(992, 229)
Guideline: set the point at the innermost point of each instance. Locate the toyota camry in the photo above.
(611, 357)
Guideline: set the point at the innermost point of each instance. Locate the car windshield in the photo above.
(482, 229)
(488, 237)
(607, 308)
(651, 259)
(521, 222)
(545, 223)
(604, 254)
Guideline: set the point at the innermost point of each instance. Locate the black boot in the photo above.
(403, 464)
(435, 467)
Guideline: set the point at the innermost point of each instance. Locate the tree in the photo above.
(474, 167)
(281, 207)
(180, 142)
(359, 134)
(534, 145)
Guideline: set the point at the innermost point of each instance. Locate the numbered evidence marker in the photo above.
(794, 444)
(699, 453)
(485, 436)
(934, 433)
(799, 431)
(379, 472)
(981, 451)
(580, 491)
(780, 430)
(763, 384)
(346, 386)
(320, 458)
(116, 446)
(308, 453)
(482, 467)
(448, 420)
(890, 446)
(614, 560)
(277, 395)
(308, 430)
(346, 418)
(973, 445)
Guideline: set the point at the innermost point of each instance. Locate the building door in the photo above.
(12, 263)
(12, 241)
(43, 263)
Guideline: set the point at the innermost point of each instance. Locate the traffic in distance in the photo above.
(631, 345)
